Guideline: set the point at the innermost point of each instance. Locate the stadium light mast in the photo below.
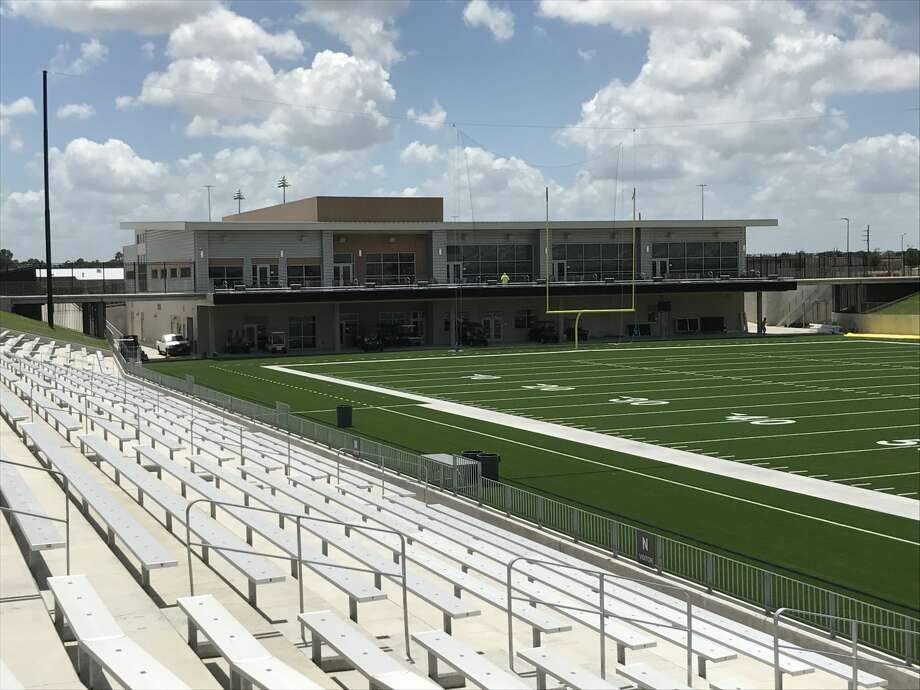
(209, 187)
(238, 198)
(283, 184)
(903, 234)
(848, 244)
(702, 206)
(48, 278)
(868, 251)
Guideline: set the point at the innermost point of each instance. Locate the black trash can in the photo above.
(488, 465)
(343, 416)
(471, 454)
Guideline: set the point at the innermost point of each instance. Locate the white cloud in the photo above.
(8, 111)
(149, 49)
(21, 106)
(498, 20)
(126, 103)
(80, 111)
(222, 34)
(335, 104)
(367, 27)
(91, 16)
(587, 55)
(433, 119)
(417, 153)
(91, 54)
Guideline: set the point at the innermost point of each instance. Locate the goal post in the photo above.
(547, 252)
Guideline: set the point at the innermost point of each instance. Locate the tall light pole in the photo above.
(868, 251)
(49, 280)
(238, 198)
(848, 245)
(702, 207)
(903, 234)
(209, 187)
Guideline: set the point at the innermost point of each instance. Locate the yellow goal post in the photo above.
(547, 251)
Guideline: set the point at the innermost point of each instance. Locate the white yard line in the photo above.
(876, 476)
(747, 438)
(840, 493)
(751, 461)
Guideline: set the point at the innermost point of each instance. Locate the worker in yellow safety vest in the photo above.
(505, 279)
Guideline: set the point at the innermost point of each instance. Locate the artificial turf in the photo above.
(827, 403)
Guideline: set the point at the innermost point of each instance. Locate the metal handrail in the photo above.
(65, 520)
(603, 614)
(298, 517)
(853, 655)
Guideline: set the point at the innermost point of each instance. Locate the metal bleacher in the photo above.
(147, 458)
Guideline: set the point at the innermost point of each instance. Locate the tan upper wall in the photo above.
(350, 209)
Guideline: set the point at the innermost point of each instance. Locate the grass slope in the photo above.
(59, 333)
(818, 539)
(909, 305)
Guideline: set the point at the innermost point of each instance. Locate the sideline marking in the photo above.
(816, 488)
(667, 481)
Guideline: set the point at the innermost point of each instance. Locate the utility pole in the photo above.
(209, 187)
(867, 250)
(848, 245)
(902, 252)
(49, 280)
(702, 207)
(283, 184)
(238, 197)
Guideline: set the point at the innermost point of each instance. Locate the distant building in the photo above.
(326, 271)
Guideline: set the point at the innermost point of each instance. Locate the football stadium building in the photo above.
(331, 273)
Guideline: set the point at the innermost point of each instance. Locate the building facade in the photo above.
(326, 271)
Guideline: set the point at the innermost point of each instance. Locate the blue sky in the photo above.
(801, 111)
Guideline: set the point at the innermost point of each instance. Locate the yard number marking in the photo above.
(480, 377)
(901, 442)
(638, 401)
(757, 419)
(549, 387)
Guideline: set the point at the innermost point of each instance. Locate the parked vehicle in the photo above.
(128, 346)
(399, 334)
(173, 344)
(544, 332)
(277, 343)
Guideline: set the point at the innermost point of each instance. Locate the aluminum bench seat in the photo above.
(8, 680)
(214, 450)
(7, 375)
(51, 413)
(256, 569)
(475, 668)
(728, 683)
(337, 506)
(647, 678)
(247, 658)
(100, 637)
(157, 437)
(450, 605)
(39, 534)
(352, 644)
(149, 552)
(112, 428)
(355, 587)
(549, 662)
(13, 409)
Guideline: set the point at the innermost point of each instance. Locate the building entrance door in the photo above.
(342, 274)
(559, 271)
(263, 275)
(454, 272)
(659, 267)
(492, 324)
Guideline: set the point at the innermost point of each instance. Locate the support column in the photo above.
(759, 309)
(336, 328)
(453, 324)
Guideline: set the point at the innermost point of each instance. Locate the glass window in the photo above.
(488, 252)
(523, 252)
(453, 252)
(558, 252)
(711, 250)
(729, 249)
(523, 318)
(185, 272)
(676, 250)
(391, 268)
(610, 251)
(574, 251)
(174, 273)
(154, 273)
(342, 258)
(694, 249)
(592, 251)
(659, 250)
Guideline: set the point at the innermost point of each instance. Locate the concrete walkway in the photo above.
(849, 495)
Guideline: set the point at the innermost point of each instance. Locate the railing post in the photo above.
(576, 525)
(832, 613)
(600, 577)
(767, 583)
(507, 500)
(710, 570)
(540, 508)
(615, 538)
(854, 632)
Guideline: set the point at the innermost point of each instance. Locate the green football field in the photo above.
(836, 409)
